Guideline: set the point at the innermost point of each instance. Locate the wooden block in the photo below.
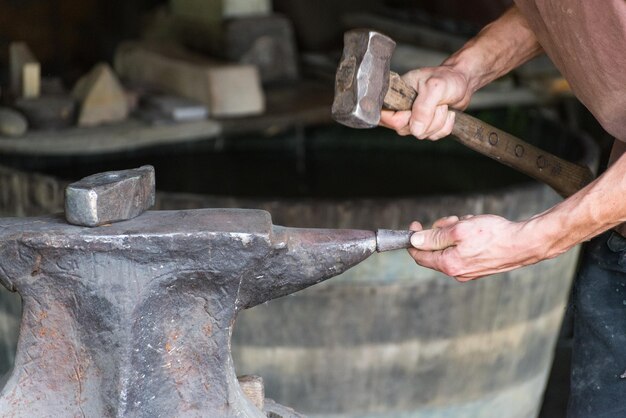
(101, 97)
(19, 56)
(229, 90)
(226, 89)
(31, 80)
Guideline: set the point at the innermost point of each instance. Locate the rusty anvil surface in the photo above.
(134, 319)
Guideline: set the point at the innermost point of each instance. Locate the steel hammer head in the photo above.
(362, 78)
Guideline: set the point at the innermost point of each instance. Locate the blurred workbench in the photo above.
(304, 103)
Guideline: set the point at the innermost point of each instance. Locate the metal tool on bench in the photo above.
(134, 318)
(364, 85)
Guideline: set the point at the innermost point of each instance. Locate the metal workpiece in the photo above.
(135, 319)
(111, 196)
(389, 240)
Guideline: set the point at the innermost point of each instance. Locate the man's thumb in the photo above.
(431, 239)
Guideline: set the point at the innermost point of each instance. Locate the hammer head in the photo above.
(362, 78)
(110, 197)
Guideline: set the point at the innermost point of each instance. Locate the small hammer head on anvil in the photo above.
(362, 78)
(111, 196)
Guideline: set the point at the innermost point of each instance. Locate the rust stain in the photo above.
(37, 268)
(48, 332)
(78, 373)
(169, 345)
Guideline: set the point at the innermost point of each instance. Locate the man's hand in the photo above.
(497, 49)
(476, 246)
(438, 89)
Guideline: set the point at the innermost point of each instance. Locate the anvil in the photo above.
(134, 319)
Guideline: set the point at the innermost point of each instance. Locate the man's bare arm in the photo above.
(596, 208)
(482, 245)
(500, 47)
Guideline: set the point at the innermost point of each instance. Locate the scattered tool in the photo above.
(364, 85)
(134, 319)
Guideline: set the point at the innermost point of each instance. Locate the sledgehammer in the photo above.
(364, 85)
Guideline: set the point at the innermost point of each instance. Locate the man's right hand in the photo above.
(498, 48)
(438, 89)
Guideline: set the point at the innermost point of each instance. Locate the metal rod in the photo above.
(389, 239)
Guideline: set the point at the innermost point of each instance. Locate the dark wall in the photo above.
(477, 12)
(318, 23)
(69, 36)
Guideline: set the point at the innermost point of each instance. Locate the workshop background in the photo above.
(230, 101)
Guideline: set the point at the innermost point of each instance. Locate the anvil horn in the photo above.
(303, 257)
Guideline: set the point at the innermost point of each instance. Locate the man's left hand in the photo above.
(471, 247)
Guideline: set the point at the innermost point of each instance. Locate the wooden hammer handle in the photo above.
(563, 176)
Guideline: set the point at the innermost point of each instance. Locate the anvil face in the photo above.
(134, 319)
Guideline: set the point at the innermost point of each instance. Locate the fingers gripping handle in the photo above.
(563, 176)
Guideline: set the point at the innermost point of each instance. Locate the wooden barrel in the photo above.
(10, 310)
(391, 339)
(387, 338)
(21, 194)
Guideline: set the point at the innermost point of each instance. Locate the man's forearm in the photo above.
(500, 47)
(596, 208)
